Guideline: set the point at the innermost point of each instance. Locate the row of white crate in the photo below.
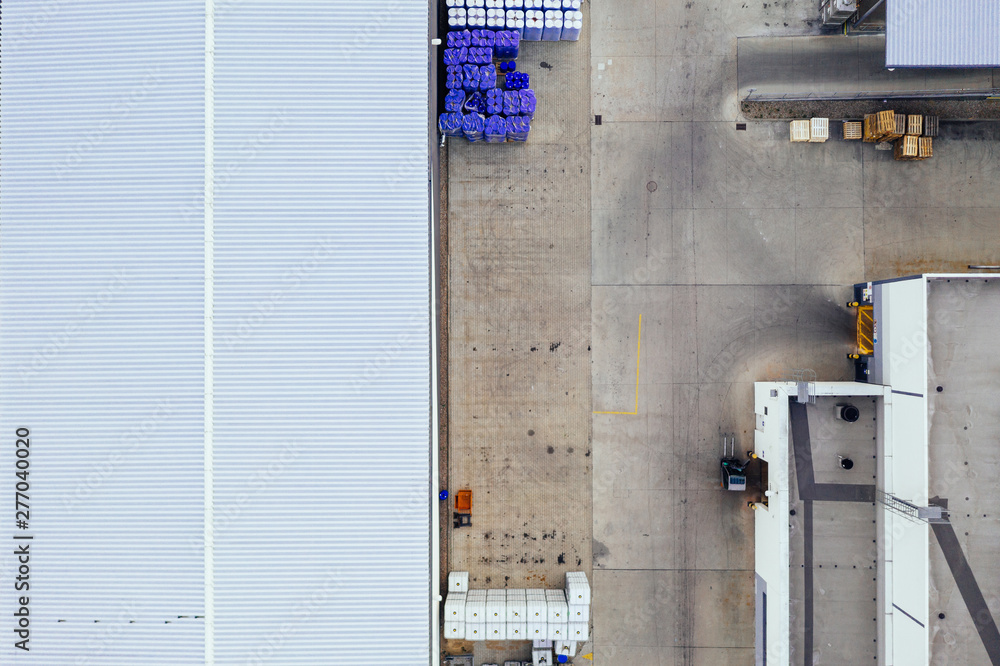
(552, 25)
(577, 590)
(514, 4)
(517, 631)
(459, 607)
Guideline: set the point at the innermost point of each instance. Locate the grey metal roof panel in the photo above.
(102, 327)
(322, 329)
(929, 33)
(321, 501)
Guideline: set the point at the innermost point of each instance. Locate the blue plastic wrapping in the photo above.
(518, 128)
(494, 101)
(496, 129)
(474, 127)
(450, 124)
(511, 103)
(455, 77)
(456, 56)
(470, 77)
(460, 38)
(527, 102)
(454, 100)
(487, 77)
(483, 38)
(508, 43)
(474, 103)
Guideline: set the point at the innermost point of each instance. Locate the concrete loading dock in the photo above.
(737, 248)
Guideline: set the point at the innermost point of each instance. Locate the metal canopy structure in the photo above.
(929, 33)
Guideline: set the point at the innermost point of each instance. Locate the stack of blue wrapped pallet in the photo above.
(488, 100)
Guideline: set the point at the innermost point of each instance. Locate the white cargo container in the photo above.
(458, 581)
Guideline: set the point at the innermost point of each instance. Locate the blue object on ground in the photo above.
(518, 128)
(473, 126)
(454, 100)
(450, 124)
(496, 129)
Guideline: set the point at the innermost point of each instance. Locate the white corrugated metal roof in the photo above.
(306, 414)
(930, 33)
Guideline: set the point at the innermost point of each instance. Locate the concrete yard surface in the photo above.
(738, 250)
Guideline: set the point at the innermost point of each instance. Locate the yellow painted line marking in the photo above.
(638, 351)
(589, 655)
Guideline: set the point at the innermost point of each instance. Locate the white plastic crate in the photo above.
(475, 631)
(517, 608)
(799, 130)
(567, 648)
(537, 610)
(579, 631)
(454, 630)
(538, 629)
(454, 607)
(496, 609)
(542, 644)
(517, 631)
(542, 658)
(475, 610)
(496, 631)
(819, 130)
(557, 610)
(558, 631)
(458, 581)
(579, 613)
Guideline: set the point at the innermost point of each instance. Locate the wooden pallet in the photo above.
(930, 125)
(925, 147)
(915, 124)
(906, 148)
(799, 131)
(870, 135)
(898, 130)
(852, 130)
(885, 123)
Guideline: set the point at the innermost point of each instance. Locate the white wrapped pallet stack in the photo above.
(496, 19)
(534, 23)
(577, 589)
(457, 19)
(475, 615)
(565, 649)
(491, 4)
(458, 581)
(454, 615)
(513, 4)
(538, 623)
(542, 657)
(455, 3)
(515, 21)
(572, 25)
(552, 31)
(555, 601)
(475, 3)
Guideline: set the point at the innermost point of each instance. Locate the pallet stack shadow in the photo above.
(910, 137)
(488, 100)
